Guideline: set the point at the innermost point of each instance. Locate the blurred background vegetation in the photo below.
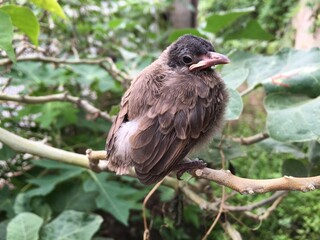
(268, 53)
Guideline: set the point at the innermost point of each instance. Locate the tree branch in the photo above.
(263, 202)
(23, 145)
(252, 139)
(223, 177)
(106, 63)
(60, 97)
(250, 186)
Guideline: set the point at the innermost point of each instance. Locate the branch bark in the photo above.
(106, 63)
(60, 97)
(252, 139)
(252, 206)
(223, 177)
(250, 186)
(23, 145)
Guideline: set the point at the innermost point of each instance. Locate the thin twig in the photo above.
(60, 97)
(250, 207)
(217, 217)
(274, 205)
(146, 234)
(252, 139)
(197, 199)
(223, 195)
(106, 63)
(5, 85)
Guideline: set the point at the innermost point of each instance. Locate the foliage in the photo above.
(54, 200)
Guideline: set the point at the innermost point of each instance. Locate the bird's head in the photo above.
(195, 53)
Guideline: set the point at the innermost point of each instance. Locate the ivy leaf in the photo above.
(6, 35)
(24, 226)
(72, 225)
(293, 118)
(24, 19)
(51, 6)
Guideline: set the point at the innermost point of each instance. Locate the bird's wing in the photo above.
(169, 129)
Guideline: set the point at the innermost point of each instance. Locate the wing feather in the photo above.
(172, 112)
(179, 116)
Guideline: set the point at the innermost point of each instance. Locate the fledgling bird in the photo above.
(173, 106)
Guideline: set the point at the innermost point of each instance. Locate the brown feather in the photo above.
(174, 110)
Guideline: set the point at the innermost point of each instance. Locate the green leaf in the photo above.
(6, 35)
(6, 201)
(115, 22)
(89, 74)
(218, 21)
(314, 153)
(294, 168)
(51, 6)
(107, 83)
(276, 147)
(114, 197)
(230, 149)
(24, 226)
(59, 114)
(314, 157)
(252, 30)
(126, 54)
(24, 19)
(49, 164)
(72, 225)
(47, 183)
(293, 118)
(235, 105)
(166, 193)
(37, 75)
(114, 110)
(178, 33)
(234, 79)
(3, 229)
(293, 71)
(75, 198)
(25, 203)
(305, 81)
(6, 152)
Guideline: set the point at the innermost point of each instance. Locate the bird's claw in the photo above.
(188, 166)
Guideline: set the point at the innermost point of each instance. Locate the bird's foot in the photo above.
(97, 162)
(188, 166)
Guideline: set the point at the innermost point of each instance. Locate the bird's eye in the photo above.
(187, 59)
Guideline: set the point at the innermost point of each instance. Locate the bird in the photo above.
(175, 105)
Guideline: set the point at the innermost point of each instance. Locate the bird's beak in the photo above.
(208, 60)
